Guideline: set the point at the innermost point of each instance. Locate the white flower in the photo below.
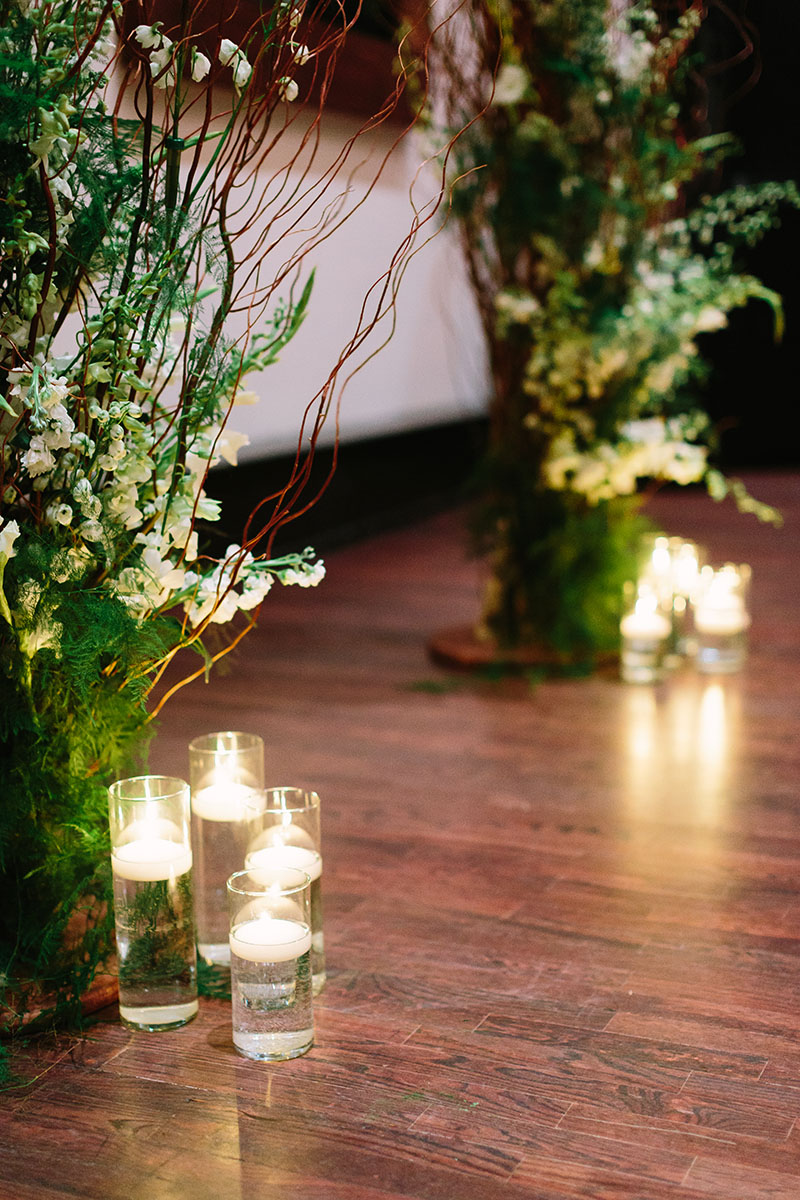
(37, 459)
(61, 426)
(241, 72)
(255, 589)
(148, 36)
(287, 89)
(120, 500)
(517, 308)
(43, 636)
(230, 55)
(307, 576)
(113, 455)
(170, 578)
(160, 65)
(62, 514)
(243, 396)
(710, 318)
(510, 84)
(227, 51)
(230, 443)
(295, 17)
(650, 430)
(301, 55)
(200, 65)
(688, 463)
(8, 535)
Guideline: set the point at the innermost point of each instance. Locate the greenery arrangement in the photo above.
(597, 263)
(158, 201)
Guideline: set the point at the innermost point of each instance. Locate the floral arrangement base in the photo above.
(465, 648)
(104, 990)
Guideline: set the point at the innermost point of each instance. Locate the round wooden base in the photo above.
(461, 648)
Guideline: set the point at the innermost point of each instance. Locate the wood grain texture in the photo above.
(562, 919)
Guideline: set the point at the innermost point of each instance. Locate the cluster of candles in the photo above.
(228, 868)
(682, 608)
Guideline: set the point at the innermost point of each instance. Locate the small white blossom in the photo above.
(287, 89)
(227, 51)
(37, 459)
(8, 535)
(305, 577)
(113, 455)
(255, 589)
(200, 65)
(709, 319)
(301, 55)
(43, 636)
(229, 443)
(241, 72)
(161, 67)
(510, 84)
(243, 396)
(148, 36)
(62, 514)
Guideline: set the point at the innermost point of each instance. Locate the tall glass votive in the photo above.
(270, 944)
(671, 567)
(721, 618)
(151, 862)
(645, 631)
(686, 560)
(287, 832)
(227, 779)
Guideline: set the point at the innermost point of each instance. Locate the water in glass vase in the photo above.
(271, 988)
(155, 933)
(220, 816)
(282, 854)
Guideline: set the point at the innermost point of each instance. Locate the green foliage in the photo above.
(594, 277)
(159, 929)
(70, 722)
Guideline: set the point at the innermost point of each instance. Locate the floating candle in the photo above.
(147, 860)
(225, 801)
(645, 623)
(281, 855)
(721, 621)
(270, 939)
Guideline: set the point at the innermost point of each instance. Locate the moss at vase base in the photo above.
(558, 566)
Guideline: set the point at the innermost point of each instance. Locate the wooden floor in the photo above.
(562, 920)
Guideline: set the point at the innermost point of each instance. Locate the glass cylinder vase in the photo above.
(287, 832)
(151, 862)
(226, 772)
(721, 618)
(645, 632)
(270, 938)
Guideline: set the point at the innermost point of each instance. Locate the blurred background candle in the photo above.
(151, 862)
(671, 568)
(227, 781)
(721, 618)
(645, 631)
(287, 833)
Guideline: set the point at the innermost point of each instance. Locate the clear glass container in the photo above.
(722, 618)
(645, 633)
(270, 943)
(151, 862)
(226, 773)
(287, 832)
